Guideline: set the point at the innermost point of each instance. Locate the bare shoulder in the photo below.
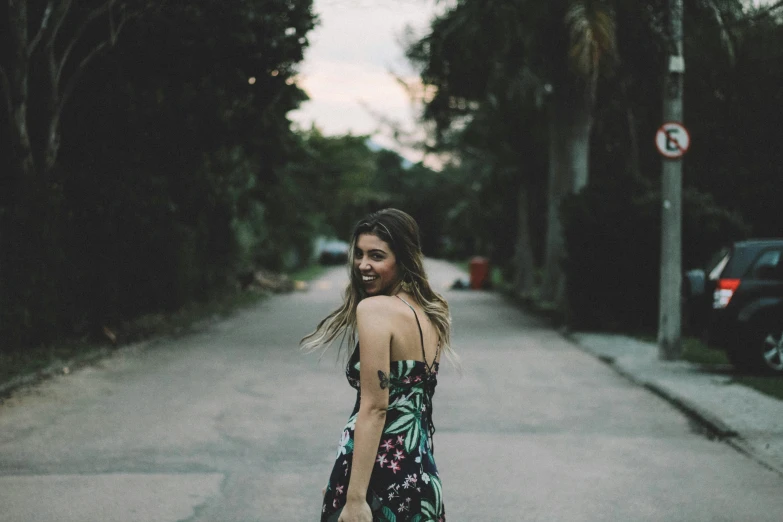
(377, 306)
(381, 309)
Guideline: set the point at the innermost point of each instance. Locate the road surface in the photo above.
(233, 423)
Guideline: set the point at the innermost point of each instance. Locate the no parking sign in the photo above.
(672, 140)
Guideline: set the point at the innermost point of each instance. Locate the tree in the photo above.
(481, 56)
(574, 76)
(51, 46)
(163, 153)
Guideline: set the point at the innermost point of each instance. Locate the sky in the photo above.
(346, 71)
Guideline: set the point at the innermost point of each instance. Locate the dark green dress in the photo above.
(404, 475)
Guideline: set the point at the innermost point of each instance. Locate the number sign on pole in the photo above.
(672, 140)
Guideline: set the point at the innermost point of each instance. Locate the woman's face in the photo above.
(376, 264)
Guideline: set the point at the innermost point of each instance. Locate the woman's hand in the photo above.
(358, 511)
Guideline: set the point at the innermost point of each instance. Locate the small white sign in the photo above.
(672, 140)
(677, 64)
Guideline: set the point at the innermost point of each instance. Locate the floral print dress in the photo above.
(404, 476)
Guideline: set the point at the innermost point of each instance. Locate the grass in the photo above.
(772, 386)
(696, 351)
(33, 360)
(307, 273)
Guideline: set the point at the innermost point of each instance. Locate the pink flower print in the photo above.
(400, 440)
(339, 489)
(417, 378)
(394, 466)
(406, 380)
(388, 445)
(334, 503)
(399, 455)
(382, 459)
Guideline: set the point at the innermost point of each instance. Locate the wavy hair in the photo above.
(401, 233)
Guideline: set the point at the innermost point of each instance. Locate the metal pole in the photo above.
(669, 328)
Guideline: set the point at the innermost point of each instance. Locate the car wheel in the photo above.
(772, 349)
(762, 351)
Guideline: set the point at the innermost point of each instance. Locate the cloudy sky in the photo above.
(347, 66)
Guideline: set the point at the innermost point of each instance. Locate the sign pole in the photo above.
(669, 318)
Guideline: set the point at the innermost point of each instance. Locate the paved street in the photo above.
(235, 424)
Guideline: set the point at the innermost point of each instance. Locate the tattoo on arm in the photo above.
(384, 380)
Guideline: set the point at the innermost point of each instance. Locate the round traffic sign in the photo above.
(672, 140)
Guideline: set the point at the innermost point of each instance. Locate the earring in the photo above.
(406, 285)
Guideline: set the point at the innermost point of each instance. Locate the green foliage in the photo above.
(612, 231)
(171, 175)
(493, 66)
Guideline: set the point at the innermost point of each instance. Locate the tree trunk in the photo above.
(18, 74)
(569, 154)
(524, 265)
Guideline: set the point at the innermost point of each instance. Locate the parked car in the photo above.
(333, 252)
(738, 303)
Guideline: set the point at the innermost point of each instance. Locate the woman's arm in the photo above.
(375, 335)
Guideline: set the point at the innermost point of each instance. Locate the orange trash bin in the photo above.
(479, 272)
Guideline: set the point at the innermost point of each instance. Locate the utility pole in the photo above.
(669, 327)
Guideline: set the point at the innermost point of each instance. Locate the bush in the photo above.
(612, 233)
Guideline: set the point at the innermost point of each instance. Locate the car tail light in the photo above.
(724, 291)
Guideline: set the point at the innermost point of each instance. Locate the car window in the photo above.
(768, 266)
(719, 266)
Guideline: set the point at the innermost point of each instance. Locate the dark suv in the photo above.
(739, 303)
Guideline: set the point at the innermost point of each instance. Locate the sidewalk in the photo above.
(746, 419)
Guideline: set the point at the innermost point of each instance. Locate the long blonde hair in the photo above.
(401, 233)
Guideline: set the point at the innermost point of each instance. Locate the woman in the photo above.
(385, 469)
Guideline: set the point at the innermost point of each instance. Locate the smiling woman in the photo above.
(385, 468)
(376, 264)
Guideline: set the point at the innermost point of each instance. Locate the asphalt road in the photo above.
(235, 424)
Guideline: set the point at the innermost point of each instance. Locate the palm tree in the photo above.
(589, 52)
(482, 55)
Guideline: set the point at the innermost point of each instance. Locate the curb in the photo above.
(53, 369)
(710, 422)
(56, 368)
(714, 426)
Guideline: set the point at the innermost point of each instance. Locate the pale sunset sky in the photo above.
(346, 68)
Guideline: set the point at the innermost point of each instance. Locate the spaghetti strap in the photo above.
(421, 337)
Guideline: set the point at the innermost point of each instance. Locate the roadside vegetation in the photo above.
(155, 169)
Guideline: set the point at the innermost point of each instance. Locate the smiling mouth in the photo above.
(368, 279)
